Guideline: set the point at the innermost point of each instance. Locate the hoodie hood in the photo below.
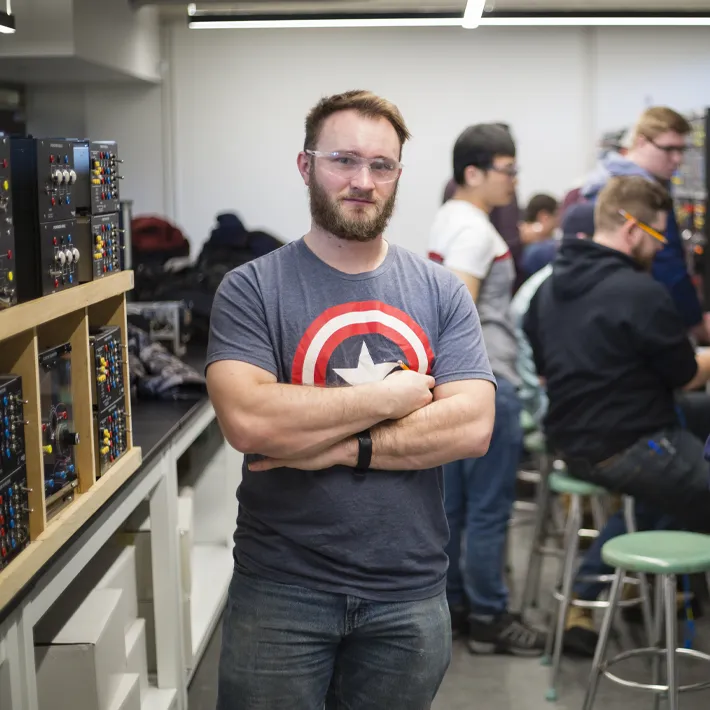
(582, 264)
(613, 165)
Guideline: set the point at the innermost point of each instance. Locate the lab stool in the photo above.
(549, 528)
(664, 554)
(562, 594)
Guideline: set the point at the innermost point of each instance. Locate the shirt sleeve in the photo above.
(660, 337)
(238, 328)
(472, 250)
(461, 353)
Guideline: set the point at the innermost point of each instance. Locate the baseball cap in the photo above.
(578, 218)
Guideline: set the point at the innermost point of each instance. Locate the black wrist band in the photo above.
(364, 454)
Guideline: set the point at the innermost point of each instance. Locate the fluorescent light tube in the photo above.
(473, 14)
(333, 23)
(7, 23)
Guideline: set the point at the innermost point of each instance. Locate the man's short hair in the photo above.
(537, 204)
(478, 145)
(641, 198)
(364, 102)
(660, 119)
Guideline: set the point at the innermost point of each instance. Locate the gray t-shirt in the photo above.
(380, 537)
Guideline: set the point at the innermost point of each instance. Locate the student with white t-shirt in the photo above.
(479, 493)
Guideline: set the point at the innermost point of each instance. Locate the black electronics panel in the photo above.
(99, 241)
(59, 437)
(8, 292)
(12, 425)
(111, 431)
(14, 503)
(107, 363)
(43, 179)
(14, 516)
(46, 258)
(690, 196)
(97, 176)
(59, 257)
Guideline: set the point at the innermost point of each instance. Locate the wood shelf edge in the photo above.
(32, 314)
(61, 528)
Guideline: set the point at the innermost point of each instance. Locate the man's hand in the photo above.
(343, 453)
(406, 392)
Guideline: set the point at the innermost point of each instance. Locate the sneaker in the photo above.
(580, 637)
(459, 620)
(507, 633)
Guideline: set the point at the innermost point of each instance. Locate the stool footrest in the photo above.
(690, 652)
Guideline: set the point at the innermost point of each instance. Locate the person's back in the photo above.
(603, 389)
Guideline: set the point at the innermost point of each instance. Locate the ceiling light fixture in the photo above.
(473, 14)
(478, 13)
(7, 19)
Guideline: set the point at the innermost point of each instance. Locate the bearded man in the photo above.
(348, 370)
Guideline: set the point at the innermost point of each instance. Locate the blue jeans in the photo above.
(286, 647)
(479, 496)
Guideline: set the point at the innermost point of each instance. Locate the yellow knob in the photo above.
(97, 255)
(5, 185)
(10, 276)
(47, 449)
(105, 450)
(105, 432)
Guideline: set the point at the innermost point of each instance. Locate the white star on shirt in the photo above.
(366, 370)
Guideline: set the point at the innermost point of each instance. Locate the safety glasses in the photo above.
(642, 225)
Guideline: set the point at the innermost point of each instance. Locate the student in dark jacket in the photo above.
(658, 144)
(612, 348)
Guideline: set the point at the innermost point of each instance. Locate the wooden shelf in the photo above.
(32, 314)
(61, 528)
(26, 330)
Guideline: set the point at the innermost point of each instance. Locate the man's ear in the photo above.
(304, 166)
(472, 176)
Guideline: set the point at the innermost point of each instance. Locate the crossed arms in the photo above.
(313, 428)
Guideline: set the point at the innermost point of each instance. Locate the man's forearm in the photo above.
(446, 430)
(290, 421)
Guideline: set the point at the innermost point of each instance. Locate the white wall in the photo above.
(228, 122)
(241, 98)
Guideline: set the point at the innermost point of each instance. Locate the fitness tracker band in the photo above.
(364, 453)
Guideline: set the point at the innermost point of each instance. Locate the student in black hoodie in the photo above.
(609, 342)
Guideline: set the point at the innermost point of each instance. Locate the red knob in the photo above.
(56, 283)
(4, 162)
(54, 202)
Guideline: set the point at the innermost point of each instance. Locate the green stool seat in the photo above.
(659, 552)
(562, 483)
(534, 442)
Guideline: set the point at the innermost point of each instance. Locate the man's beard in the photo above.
(642, 260)
(331, 217)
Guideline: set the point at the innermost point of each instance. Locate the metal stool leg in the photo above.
(604, 633)
(669, 596)
(556, 633)
(656, 641)
(532, 576)
(644, 589)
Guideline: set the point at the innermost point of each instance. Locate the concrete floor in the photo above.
(504, 683)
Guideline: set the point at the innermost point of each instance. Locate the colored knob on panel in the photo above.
(5, 185)
(10, 276)
(9, 253)
(47, 449)
(71, 279)
(70, 468)
(56, 283)
(14, 543)
(12, 525)
(4, 400)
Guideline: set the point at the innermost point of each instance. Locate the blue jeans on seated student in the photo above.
(286, 647)
(479, 496)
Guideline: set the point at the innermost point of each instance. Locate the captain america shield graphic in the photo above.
(359, 342)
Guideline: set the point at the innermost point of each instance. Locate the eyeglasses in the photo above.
(511, 171)
(347, 165)
(668, 149)
(643, 226)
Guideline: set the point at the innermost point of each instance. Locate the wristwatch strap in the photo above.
(364, 454)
